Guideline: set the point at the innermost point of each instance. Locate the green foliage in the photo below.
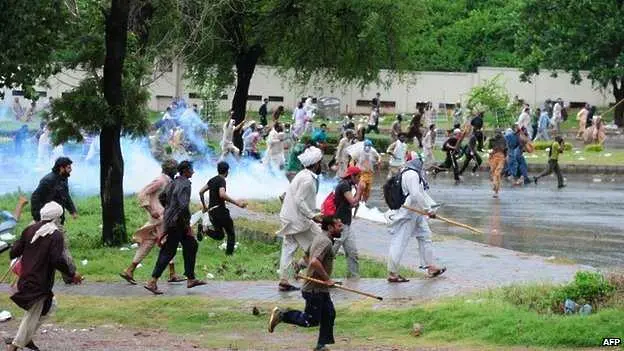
(492, 97)
(344, 41)
(462, 35)
(31, 30)
(546, 144)
(594, 148)
(587, 287)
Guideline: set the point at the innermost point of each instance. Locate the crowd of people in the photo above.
(43, 246)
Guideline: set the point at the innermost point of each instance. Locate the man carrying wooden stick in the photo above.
(319, 308)
(406, 223)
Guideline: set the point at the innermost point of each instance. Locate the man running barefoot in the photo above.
(319, 308)
(218, 213)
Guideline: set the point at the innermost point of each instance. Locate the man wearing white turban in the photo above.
(41, 249)
(298, 214)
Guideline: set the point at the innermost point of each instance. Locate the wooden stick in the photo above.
(443, 219)
(612, 107)
(340, 287)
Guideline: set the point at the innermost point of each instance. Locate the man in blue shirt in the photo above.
(542, 126)
(319, 137)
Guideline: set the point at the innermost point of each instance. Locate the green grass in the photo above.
(486, 320)
(256, 258)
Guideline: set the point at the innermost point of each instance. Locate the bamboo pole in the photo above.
(340, 287)
(443, 219)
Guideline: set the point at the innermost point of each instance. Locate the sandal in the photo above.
(195, 282)
(176, 279)
(397, 279)
(437, 273)
(153, 289)
(287, 287)
(128, 278)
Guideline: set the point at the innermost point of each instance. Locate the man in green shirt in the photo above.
(319, 308)
(553, 162)
(293, 166)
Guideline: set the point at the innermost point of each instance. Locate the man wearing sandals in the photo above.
(147, 235)
(406, 224)
(298, 215)
(177, 218)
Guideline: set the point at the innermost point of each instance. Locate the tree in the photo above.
(30, 32)
(464, 34)
(575, 35)
(112, 99)
(340, 41)
(492, 97)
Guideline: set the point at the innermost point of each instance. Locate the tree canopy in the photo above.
(575, 35)
(31, 31)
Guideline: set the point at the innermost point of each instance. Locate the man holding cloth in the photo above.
(41, 249)
(345, 202)
(298, 213)
(406, 224)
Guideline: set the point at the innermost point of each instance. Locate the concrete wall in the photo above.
(437, 87)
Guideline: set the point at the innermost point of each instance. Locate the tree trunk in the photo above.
(245, 66)
(111, 159)
(619, 109)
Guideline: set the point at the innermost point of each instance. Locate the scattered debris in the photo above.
(210, 276)
(417, 329)
(597, 180)
(134, 246)
(5, 316)
(84, 262)
(123, 249)
(7, 237)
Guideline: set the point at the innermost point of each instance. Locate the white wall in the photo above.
(437, 87)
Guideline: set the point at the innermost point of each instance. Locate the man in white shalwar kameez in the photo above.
(274, 157)
(298, 214)
(406, 224)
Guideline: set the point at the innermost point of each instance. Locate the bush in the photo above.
(587, 287)
(543, 145)
(594, 148)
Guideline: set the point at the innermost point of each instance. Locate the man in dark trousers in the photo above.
(177, 229)
(219, 214)
(319, 308)
(556, 148)
(53, 187)
(263, 111)
(477, 125)
(451, 148)
(471, 153)
(41, 249)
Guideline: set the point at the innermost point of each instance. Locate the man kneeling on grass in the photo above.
(319, 308)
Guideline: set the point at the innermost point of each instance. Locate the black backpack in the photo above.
(393, 191)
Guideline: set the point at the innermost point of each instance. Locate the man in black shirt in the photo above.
(451, 148)
(53, 187)
(219, 214)
(345, 202)
(263, 111)
(177, 229)
(477, 125)
(471, 153)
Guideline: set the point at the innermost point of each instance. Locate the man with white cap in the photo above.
(41, 249)
(298, 214)
(405, 223)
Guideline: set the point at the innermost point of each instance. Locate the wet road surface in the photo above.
(583, 222)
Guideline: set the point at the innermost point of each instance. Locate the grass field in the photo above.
(492, 319)
(253, 260)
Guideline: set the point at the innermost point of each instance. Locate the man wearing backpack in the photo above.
(345, 202)
(406, 224)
